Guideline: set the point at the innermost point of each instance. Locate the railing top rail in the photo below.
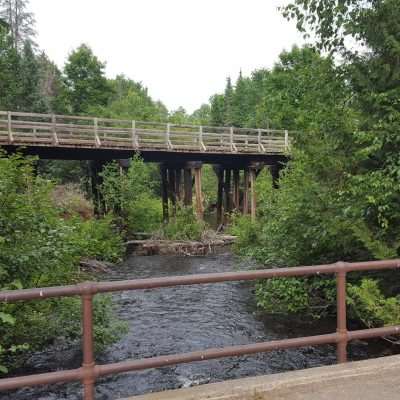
(195, 279)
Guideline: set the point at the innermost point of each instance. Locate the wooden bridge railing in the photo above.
(28, 129)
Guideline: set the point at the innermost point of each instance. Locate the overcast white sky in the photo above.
(182, 50)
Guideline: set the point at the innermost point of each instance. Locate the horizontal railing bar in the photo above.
(210, 354)
(195, 279)
(41, 379)
(195, 356)
(373, 332)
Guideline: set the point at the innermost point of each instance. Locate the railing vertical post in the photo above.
(54, 129)
(135, 142)
(96, 132)
(10, 135)
(286, 141)
(231, 137)
(168, 136)
(88, 364)
(341, 351)
(202, 147)
(261, 148)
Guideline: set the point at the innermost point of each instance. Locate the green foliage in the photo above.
(333, 201)
(27, 82)
(130, 100)
(209, 185)
(184, 226)
(131, 195)
(38, 248)
(85, 80)
(247, 233)
(307, 296)
(371, 306)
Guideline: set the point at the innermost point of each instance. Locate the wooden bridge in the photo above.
(80, 133)
(180, 149)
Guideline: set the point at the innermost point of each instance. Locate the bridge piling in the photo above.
(228, 194)
(245, 209)
(198, 190)
(220, 192)
(188, 186)
(253, 200)
(164, 192)
(236, 189)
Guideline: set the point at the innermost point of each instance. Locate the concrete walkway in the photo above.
(377, 379)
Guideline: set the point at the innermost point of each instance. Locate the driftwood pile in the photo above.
(176, 247)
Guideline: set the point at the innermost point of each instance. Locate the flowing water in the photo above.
(181, 319)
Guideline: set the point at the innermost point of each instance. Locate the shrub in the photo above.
(184, 226)
(39, 248)
(71, 201)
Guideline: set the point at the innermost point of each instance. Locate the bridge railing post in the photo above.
(201, 142)
(286, 141)
(261, 147)
(232, 142)
(97, 141)
(88, 362)
(341, 313)
(9, 127)
(168, 136)
(135, 139)
(54, 129)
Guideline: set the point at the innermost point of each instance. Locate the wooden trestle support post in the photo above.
(188, 186)
(164, 192)
(177, 186)
(197, 167)
(172, 189)
(232, 192)
(236, 189)
(228, 194)
(220, 193)
(253, 202)
(246, 192)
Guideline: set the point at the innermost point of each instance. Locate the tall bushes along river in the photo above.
(339, 195)
(40, 248)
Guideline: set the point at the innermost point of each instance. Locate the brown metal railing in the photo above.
(90, 371)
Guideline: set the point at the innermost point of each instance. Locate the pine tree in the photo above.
(51, 86)
(9, 72)
(228, 103)
(217, 110)
(30, 98)
(20, 21)
(243, 102)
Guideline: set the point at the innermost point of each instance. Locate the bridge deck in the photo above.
(62, 136)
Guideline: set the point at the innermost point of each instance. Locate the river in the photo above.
(182, 319)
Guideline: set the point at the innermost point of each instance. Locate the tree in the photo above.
(52, 89)
(228, 103)
(201, 116)
(9, 72)
(130, 100)
(217, 110)
(20, 21)
(30, 98)
(85, 80)
(243, 104)
(179, 116)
